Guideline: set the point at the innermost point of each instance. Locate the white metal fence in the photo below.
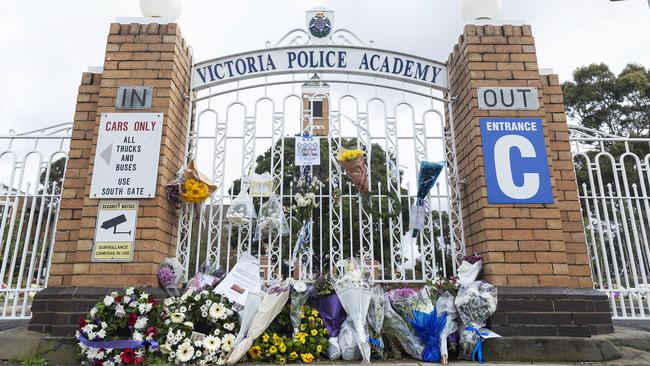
(32, 165)
(614, 181)
(241, 129)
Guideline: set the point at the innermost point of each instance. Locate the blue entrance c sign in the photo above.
(516, 167)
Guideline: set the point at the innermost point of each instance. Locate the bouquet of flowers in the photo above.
(261, 185)
(272, 217)
(207, 276)
(201, 328)
(300, 294)
(241, 211)
(121, 329)
(170, 274)
(271, 305)
(331, 311)
(441, 285)
(399, 332)
(469, 270)
(403, 300)
(375, 320)
(352, 161)
(306, 188)
(189, 186)
(354, 293)
(475, 304)
(446, 307)
(309, 344)
(427, 176)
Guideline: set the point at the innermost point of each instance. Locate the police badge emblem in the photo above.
(320, 25)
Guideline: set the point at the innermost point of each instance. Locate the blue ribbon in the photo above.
(478, 348)
(303, 234)
(118, 344)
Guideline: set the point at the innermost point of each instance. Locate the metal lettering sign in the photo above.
(115, 231)
(326, 58)
(133, 97)
(516, 167)
(126, 156)
(507, 98)
(307, 151)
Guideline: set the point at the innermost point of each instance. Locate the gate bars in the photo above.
(32, 165)
(613, 177)
(231, 131)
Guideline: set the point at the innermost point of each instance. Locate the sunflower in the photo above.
(307, 357)
(273, 350)
(314, 332)
(255, 352)
(293, 355)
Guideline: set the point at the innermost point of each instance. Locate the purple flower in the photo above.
(401, 293)
(166, 276)
(471, 259)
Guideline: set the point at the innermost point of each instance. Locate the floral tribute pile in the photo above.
(338, 317)
(122, 329)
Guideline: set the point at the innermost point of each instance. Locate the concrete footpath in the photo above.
(629, 345)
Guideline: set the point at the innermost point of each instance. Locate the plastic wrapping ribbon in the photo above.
(374, 342)
(428, 327)
(119, 344)
(478, 349)
(303, 234)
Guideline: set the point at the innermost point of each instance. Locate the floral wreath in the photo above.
(308, 345)
(201, 328)
(119, 330)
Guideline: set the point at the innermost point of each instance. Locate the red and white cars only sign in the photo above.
(126, 157)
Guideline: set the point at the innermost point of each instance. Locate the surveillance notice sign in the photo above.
(126, 156)
(115, 231)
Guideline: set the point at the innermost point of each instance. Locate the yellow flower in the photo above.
(282, 360)
(283, 348)
(311, 318)
(319, 349)
(265, 338)
(314, 312)
(314, 332)
(273, 350)
(194, 191)
(302, 315)
(303, 327)
(325, 331)
(302, 340)
(307, 357)
(350, 155)
(293, 355)
(255, 352)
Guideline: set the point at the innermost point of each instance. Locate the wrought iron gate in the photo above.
(32, 165)
(249, 126)
(614, 182)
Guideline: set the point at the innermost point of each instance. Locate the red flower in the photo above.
(153, 302)
(128, 356)
(82, 322)
(151, 331)
(132, 319)
(138, 360)
(118, 299)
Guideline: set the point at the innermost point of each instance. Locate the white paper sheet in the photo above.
(241, 278)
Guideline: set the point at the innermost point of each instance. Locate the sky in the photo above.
(48, 44)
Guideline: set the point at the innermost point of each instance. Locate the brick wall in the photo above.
(523, 245)
(148, 54)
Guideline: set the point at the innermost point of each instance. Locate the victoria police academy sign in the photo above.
(516, 167)
(337, 59)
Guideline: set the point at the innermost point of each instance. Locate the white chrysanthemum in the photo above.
(227, 342)
(183, 309)
(197, 297)
(88, 328)
(217, 311)
(133, 304)
(114, 294)
(130, 291)
(93, 312)
(168, 301)
(126, 299)
(104, 325)
(137, 336)
(217, 332)
(141, 322)
(101, 334)
(144, 308)
(185, 352)
(177, 317)
(108, 300)
(229, 326)
(212, 343)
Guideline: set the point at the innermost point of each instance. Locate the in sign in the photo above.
(133, 97)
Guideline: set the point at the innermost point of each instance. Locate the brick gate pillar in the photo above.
(153, 55)
(535, 253)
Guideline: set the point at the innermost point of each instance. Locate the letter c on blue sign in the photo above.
(516, 167)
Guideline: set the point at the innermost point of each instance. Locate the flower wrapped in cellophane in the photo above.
(241, 211)
(170, 275)
(469, 270)
(475, 304)
(353, 291)
(427, 176)
(352, 161)
(445, 306)
(329, 306)
(271, 218)
(399, 332)
(375, 320)
(189, 186)
(300, 294)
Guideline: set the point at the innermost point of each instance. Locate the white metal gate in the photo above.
(32, 165)
(249, 126)
(614, 183)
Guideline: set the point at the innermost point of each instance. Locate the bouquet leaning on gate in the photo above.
(352, 161)
(189, 186)
(427, 176)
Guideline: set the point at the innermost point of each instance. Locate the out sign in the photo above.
(506, 98)
(516, 167)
